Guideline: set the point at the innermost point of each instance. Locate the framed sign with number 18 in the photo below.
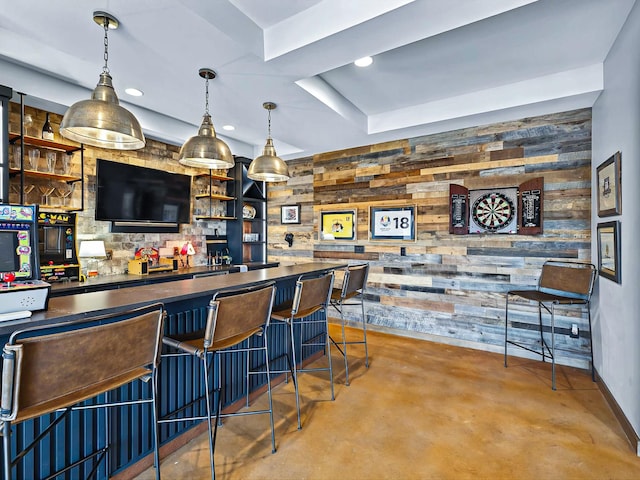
(392, 223)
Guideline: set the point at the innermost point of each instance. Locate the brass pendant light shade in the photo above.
(206, 150)
(101, 121)
(268, 167)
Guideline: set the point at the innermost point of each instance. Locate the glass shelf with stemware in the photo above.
(216, 193)
(25, 165)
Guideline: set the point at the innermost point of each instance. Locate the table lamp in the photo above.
(92, 250)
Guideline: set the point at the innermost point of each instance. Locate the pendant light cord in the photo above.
(105, 69)
(269, 117)
(206, 89)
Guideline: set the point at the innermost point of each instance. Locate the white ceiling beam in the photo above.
(550, 87)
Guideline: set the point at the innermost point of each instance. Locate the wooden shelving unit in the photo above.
(216, 198)
(21, 174)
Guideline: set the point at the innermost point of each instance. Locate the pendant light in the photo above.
(268, 167)
(101, 121)
(206, 150)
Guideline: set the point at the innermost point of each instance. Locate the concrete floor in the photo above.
(423, 411)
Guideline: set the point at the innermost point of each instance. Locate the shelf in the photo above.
(57, 208)
(214, 196)
(38, 142)
(207, 217)
(39, 174)
(213, 176)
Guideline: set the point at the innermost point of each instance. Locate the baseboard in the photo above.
(632, 436)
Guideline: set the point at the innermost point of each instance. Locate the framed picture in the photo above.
(610, 186)
(338, 225)
(609, 250)
(392, 223)
(290, 213)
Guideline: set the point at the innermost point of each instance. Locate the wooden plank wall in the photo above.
(450, 285)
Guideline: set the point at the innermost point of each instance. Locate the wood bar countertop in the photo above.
(82, 305)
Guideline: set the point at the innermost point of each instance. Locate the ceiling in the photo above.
(438, 64)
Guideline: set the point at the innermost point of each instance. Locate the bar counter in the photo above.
(180, 387)
(108, 298)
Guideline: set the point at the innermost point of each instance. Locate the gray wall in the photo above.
(616, 126)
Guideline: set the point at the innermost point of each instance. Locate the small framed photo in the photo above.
(609, 250)
(392, 223)
(290, 213)
(338, 225)
(610, 186)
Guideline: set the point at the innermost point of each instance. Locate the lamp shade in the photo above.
(268, 167)
(101, 121)
(92, 249)
(206, 150)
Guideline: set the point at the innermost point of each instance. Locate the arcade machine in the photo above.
(57, 247)
(21, 290)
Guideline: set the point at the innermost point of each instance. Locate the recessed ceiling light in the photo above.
(228, 127)
(364, 62)
(134, 92)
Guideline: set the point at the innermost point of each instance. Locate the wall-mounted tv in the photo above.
(140, 199)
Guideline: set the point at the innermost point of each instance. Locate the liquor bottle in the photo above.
(47, 129)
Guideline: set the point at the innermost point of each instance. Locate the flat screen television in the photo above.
(134, 196)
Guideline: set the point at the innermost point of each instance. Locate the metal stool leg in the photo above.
(364, 331)
(328, 351)
(344, 345)
(208, 408)
(553, 347)
(295, 373)
(506, 323)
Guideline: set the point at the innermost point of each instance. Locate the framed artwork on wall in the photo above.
(290, 214)
(609, 250)
(610, 186)
(392, 223)
(338, 225)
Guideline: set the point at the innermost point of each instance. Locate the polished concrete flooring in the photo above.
(423, 411)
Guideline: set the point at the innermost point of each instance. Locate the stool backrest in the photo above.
(312, 294)
(42, 373)
(355, 280)
(235, 315)
(571, 279)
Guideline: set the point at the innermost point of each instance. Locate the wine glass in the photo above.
(28, 121)
(26, 191)
(64, 191)
(14, 193)
(46, 189)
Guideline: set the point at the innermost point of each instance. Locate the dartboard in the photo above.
(493, 211)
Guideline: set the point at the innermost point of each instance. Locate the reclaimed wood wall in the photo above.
(450, 285)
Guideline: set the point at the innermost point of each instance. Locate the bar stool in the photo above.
(234, 316)
(311, 295)
(54, 368)
(565, 284)
(353, 287)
